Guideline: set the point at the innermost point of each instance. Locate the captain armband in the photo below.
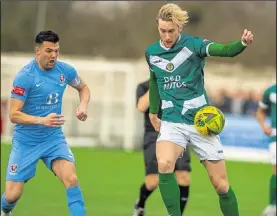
(75, 82)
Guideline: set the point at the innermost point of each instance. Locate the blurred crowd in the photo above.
(238, 102)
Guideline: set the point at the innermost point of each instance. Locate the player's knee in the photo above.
(12, 195)
(70, 180)
(13, 191)
(183, 178)
(152, 183)
(166, 165)
(221, 185)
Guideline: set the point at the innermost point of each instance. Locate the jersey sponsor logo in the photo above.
(173, 82)
(18, 90)
(52, 101)
(52, 98)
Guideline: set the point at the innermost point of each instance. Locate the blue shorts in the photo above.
(24, 158)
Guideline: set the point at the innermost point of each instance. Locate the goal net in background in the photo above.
(112, 115)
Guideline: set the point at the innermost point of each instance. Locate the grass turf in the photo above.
(110, 180)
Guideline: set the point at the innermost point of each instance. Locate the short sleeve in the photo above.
(21, 86)
(73, 77)
(201, 46)
(265, 102)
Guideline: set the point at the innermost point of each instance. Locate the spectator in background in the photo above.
(222, 100)
(250, 105)
(238, 98)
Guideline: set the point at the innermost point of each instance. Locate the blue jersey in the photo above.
(42, 93)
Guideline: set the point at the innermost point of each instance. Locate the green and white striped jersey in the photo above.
(180, 77)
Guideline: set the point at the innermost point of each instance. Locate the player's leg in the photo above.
(210, 152)
(182, 172)
(13, 191)
(61, 161)
(151, 173)
(270, 210)
(218, 176)
(146, 189)
(21, 168)
(170, 145)
(66, 172)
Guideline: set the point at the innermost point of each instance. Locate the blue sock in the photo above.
(6, 206)
(75, 201)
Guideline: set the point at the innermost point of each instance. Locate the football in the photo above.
(209, 121)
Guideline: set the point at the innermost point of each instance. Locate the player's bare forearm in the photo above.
(154, 96)
(143, 103)
(18, 117)
(84, 95)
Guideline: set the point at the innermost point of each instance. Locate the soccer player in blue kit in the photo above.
(35, 109)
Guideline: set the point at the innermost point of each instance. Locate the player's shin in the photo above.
(228, 203)
(7, 206)
(144, 194)
(184, 195)
(75, 201)
(170, 193)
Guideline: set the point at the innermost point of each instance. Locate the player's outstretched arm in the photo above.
(231, 49)
(18, 117)
(84, 95)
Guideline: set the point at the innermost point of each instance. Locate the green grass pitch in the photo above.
(110, 180)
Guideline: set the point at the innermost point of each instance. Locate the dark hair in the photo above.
(48, 35)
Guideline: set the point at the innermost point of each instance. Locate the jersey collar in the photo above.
(167, 48)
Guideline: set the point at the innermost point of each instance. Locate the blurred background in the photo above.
(105, 41)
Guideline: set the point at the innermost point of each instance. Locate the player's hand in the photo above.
(155, 121)
(81, 112)
(267, 130)
(53, 120)
(247, 37)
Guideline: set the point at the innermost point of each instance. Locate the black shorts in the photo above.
(150, 160)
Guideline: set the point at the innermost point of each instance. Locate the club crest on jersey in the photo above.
(14, 168)
(62, 79)
(170, 66)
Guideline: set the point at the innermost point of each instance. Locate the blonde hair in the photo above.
(172, 12)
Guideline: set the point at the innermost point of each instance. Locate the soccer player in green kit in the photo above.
(269, 102)
(176, 63)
